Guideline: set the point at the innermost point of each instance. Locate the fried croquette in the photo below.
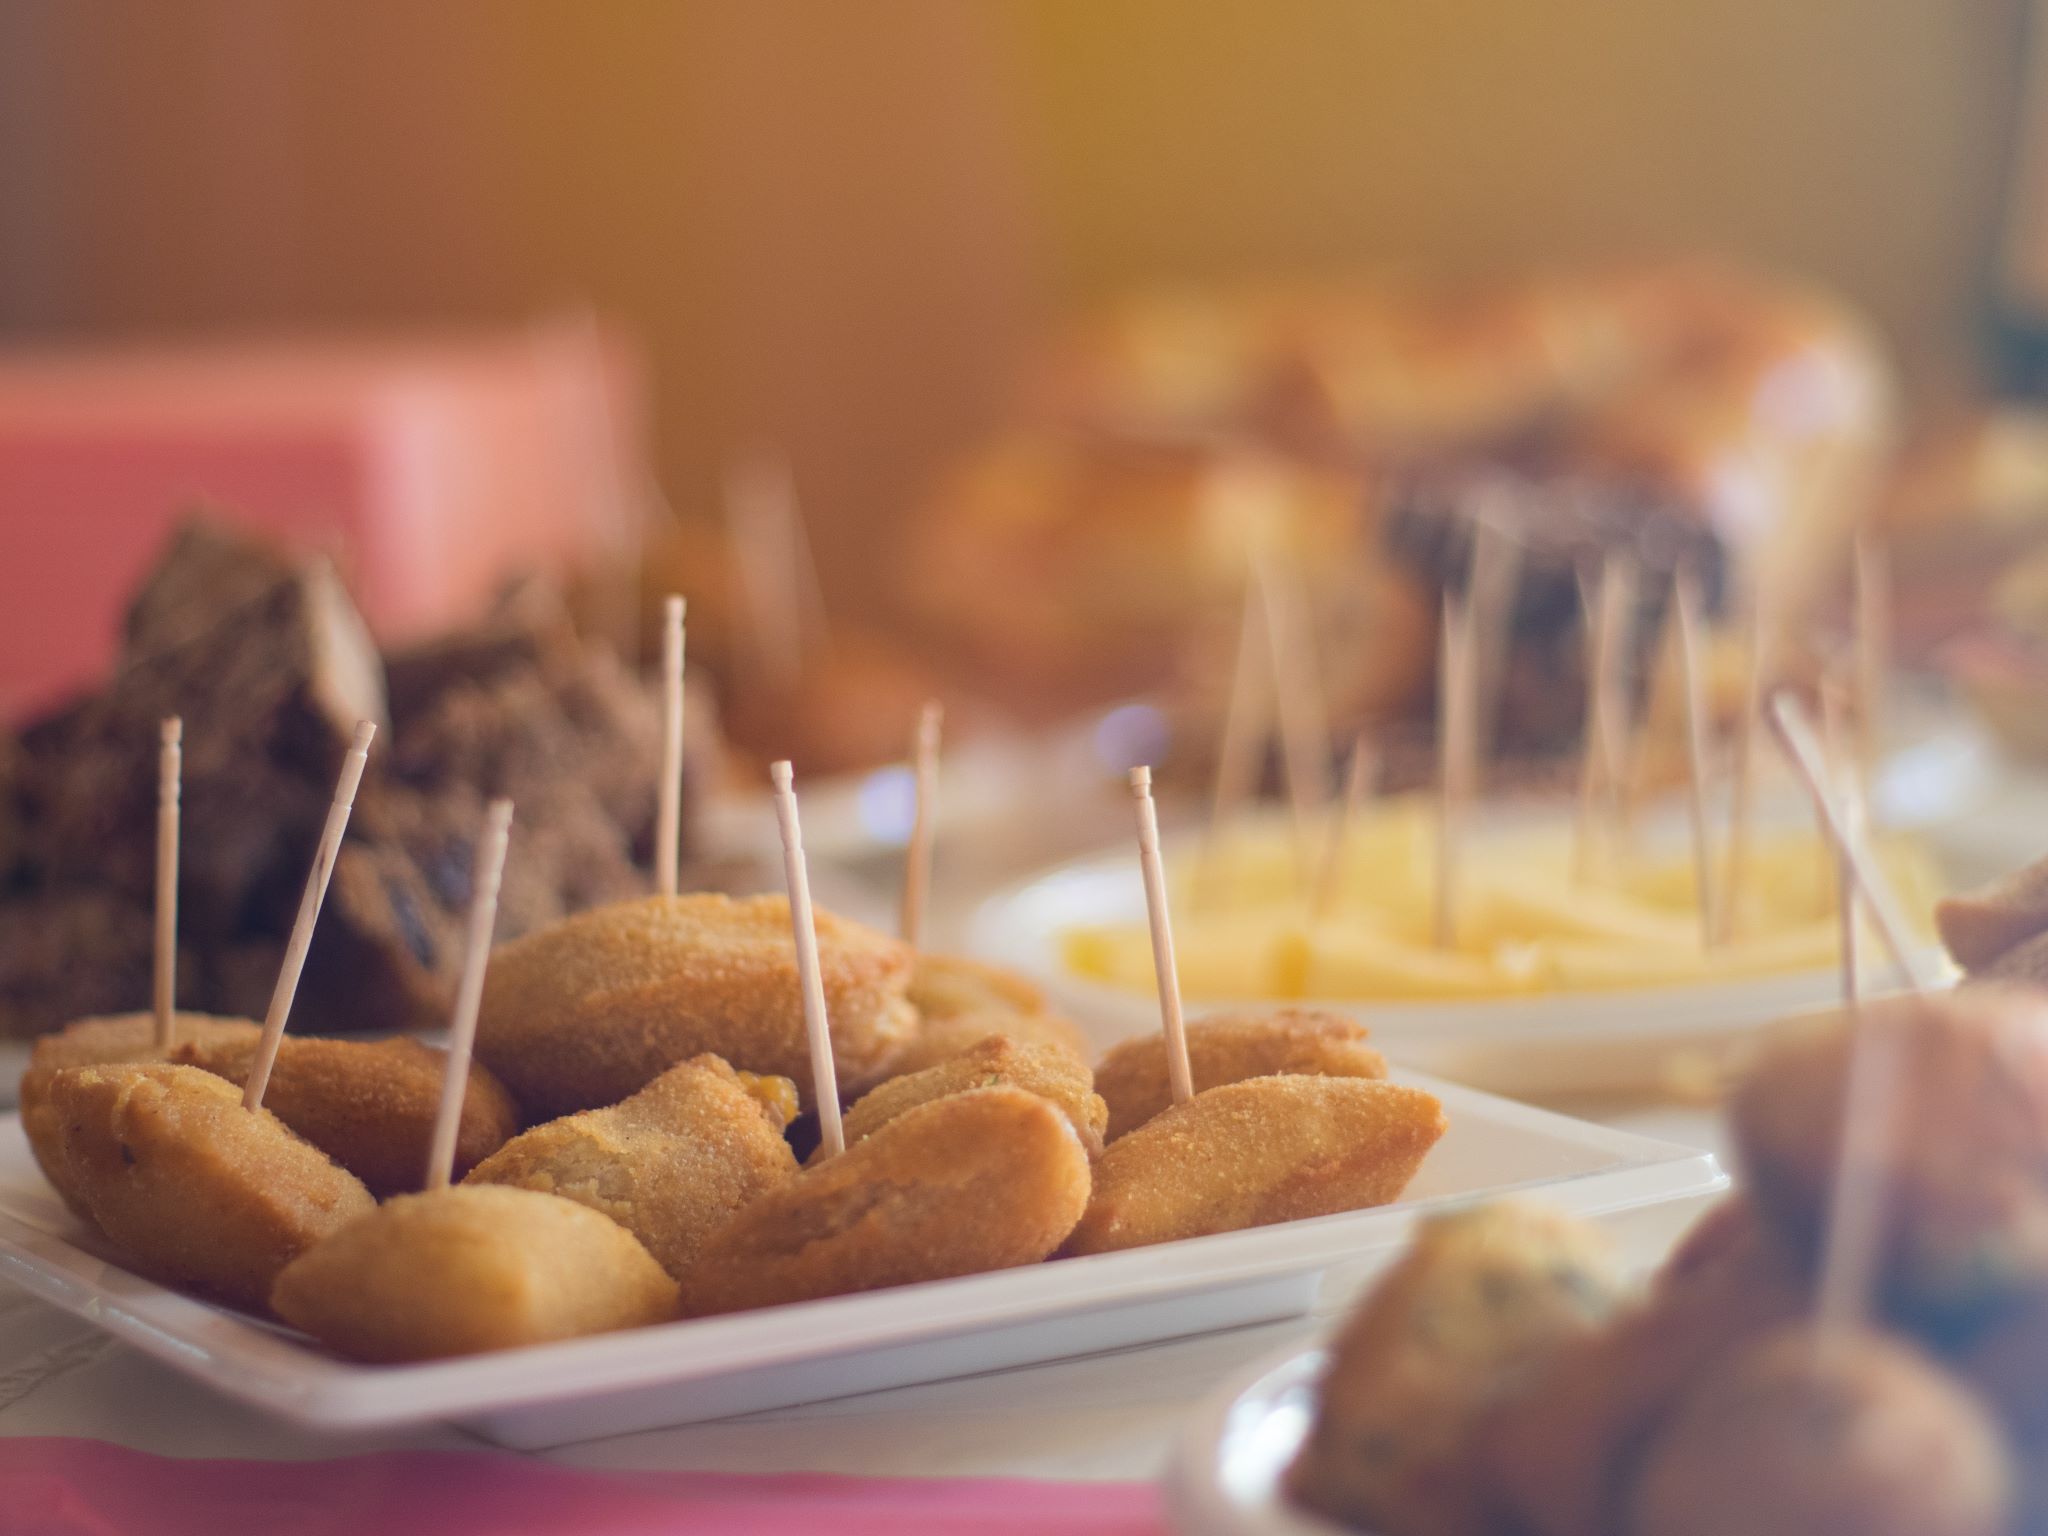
(368, 1104)
(1229, 1048)
(1980, 926)
(197, 1191)
(941, 1039)
(1965, 1148)
(997, 1061)
(1480, 1298)
(470, 1268)
(671, 1164)
(1253, 1153)
(582, 1014)
(946, 986)
(1861, 1435)
(1555, 1449)
(96, 1043)
(981, 1180)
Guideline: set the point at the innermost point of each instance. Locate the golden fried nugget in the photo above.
(997, 1061)
(583, 1013)
(196, 1190)
(671, 1164)
(1965, 1152)
(982, 1180)
(941, 1039)
(368, 1104)
(470, 1268)
(1980, 926)
(946, 986)
(95, 1043)
(1252, 1153)
(1556, 1447)
(1229, 1048)
(1480, 1297)
(1861, 1435)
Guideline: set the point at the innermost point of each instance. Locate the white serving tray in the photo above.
(690, 1371)
(1528, 1044)
(1225, 1476)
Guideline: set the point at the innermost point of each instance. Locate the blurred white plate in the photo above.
(1226, 1477)
(1531, 1043)
(714, 1367)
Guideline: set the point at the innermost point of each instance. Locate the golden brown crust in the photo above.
(1475, 1303)
(978, 1181)
(1980, 926)
(1253, 1153)
(941, 1039)
(1229, 1048)
(470, 1268)
(584, 1013)
(994, 1062)
(671, 1164)
(368, 1104)
(194, 1189)
(99, 1042)
(945, 986)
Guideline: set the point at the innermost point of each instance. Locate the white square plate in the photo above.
(710, 1368)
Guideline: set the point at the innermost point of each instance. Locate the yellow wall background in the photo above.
(837, 222)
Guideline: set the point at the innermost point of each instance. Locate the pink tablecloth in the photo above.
(76, 1487)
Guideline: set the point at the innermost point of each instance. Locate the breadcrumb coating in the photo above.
(981, 1180)
(1229, 1048)
(995, 1061)
(671, 1164)
(584, 1013)
(945, 986)
(941, 1039)
(1253, 1153)
(470, 1268)
(194, 1189)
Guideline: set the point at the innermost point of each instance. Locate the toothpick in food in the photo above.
(489, 867)
(1358, 784)
(917, 856)
(1685, 599)
(1454, 750)
(1742, 797)
(824, 1072)
(169, 774)
(309, 913)
(1153, 867)
(668, 832)
(1247, 723)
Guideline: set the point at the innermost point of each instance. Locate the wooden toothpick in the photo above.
(1247, 722)
(824, 1073)
(668, 832)
(1598, 766)
(489, 864)
(1794, 730)
(169, 773)
(309, 913)
(1172, 1024)
(917, 857)
(1358, 784)
(1742, 797)
(1304, 723)
(1873, 650)
(1454, 766)
(1685, 598)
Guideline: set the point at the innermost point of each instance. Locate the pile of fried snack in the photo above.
(1502, 1379)
(628, 1149)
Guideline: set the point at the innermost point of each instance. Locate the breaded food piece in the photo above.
(997, 1061)
(1965, 1152)
(94, 1043)
(946, 986)
(1862, 1435)
(195, 1190)
(470, 1268)
(1556, 1448)
(581, 1014)
(941, 1039)
(671, 1164)
(368, 1104)
(1480, 1298)
(1253, 1153)
(1229, 1048)
(1980, 926)
(981, 1180)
